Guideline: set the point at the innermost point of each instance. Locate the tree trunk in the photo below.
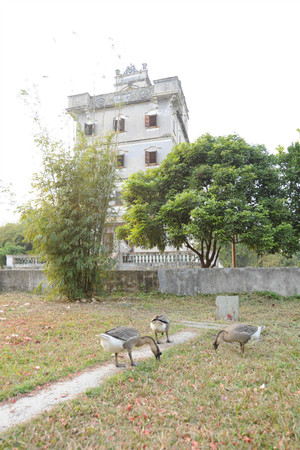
(208, 258)
(233, 253)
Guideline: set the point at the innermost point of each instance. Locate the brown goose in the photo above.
(119, 339)
(160, 324)
(238, 333)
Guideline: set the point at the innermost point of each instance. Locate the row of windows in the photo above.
(119, 124)
(150, 158)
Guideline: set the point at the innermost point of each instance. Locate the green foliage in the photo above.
(248, 258)
(14, 233)
(12, 241)
(268, 294)
(289, 162)
(278, 260)
(9, 249)
(245, 257)
(66, 219)
(207, 194)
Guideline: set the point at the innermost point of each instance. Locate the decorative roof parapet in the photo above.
(132, 76)
(133, 86)
(130, 70)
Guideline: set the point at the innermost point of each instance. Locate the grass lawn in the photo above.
(194, 398)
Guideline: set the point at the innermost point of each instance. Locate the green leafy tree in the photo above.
(14, 233)
(245, 257)
(9, 249)
(248, 258)
(215, 191)
(278, 260)
(289, 162)
(12, 241)
(66, 218)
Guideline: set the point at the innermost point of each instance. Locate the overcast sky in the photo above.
(238, 62)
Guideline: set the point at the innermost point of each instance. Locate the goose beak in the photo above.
(158, 356)
(215, 345)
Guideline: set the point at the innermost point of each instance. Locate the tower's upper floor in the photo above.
(138, 109)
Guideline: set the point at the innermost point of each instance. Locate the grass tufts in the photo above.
(195, 398)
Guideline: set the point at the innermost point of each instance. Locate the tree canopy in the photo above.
(12, 241)
(289, 162)
(14, 233)
(206, 194)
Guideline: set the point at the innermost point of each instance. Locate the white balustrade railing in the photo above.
(124, 260)
(23, 262)
(158, 259)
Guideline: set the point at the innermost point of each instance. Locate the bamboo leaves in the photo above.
(66, 219)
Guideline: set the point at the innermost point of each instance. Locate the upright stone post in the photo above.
(227, 307)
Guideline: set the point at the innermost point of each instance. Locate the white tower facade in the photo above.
(149, 118)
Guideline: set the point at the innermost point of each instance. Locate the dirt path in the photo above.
(203, 325)
(34, 404)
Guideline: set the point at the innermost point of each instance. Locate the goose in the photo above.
(238, 333)
(160, 324)
(119, 339)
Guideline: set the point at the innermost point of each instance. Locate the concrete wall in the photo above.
(283, 281)
(127, 280)
(133, 280)
(21, 279)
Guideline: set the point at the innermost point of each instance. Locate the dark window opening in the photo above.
(89, 129)
(121, 161)
(151, 157)
(151, 121)
(119, 125)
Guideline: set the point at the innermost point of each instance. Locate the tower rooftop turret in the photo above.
(132, 78)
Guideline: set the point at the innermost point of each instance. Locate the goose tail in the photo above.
(257, 334)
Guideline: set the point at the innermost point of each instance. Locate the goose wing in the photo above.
(241, 330)
(123, 333)
(249, 329)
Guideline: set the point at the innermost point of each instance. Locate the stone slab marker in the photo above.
(227, 307)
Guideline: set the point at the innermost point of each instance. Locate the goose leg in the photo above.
(242, 347)
(131, 360)
(168, 340)
(116, 361)
(157, 341)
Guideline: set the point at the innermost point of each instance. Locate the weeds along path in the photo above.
(34, 404)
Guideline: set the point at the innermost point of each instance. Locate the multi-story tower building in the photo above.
(149, 118)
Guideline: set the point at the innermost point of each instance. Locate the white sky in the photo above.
(238, 62)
